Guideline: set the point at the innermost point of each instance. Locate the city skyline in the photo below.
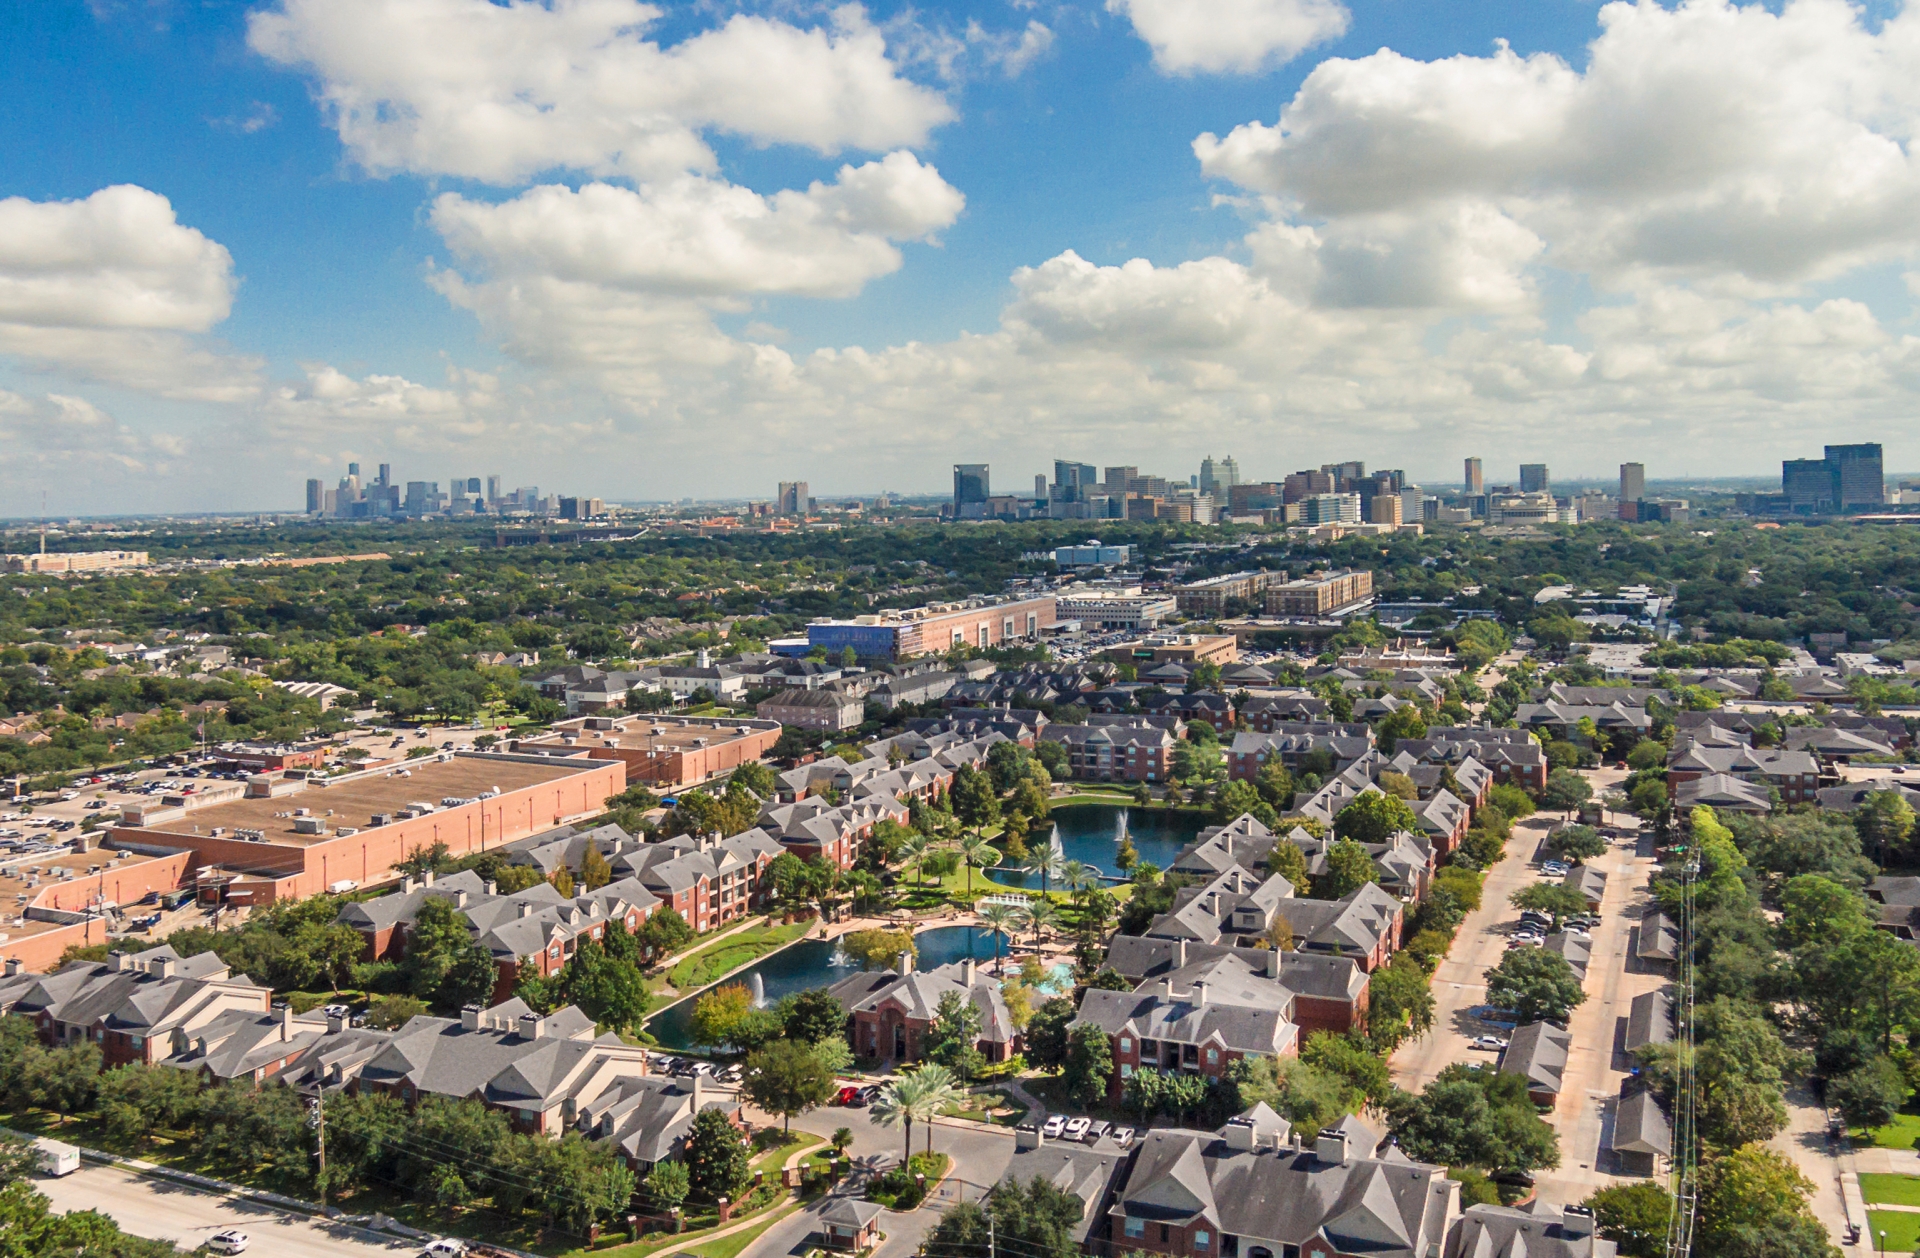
(238, 242)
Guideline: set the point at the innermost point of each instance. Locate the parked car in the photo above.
(1056, 1123)
(849, 1096)
(1525, 941)
(231, 1241)
(1554, 869)
(1076, 1128)
(1122, 1136)
(868, 1093)
(1536, 918)
(1492, 1043)
(445, 1247)
(1097, 1129)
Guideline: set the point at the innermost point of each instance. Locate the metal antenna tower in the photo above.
(1686, 1145)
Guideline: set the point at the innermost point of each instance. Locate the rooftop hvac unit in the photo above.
(380, 819)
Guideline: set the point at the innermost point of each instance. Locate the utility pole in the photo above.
(317, 1119)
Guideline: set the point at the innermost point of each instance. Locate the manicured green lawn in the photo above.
(1898, 1190)
(728, 1246)
(704, 965)
(1902, 1229)
(1902, 1133)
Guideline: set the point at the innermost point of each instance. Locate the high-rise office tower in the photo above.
(1040, 486)
(386, 474)
(1807, 484)
(1072, 481)
(1209, 476)
(1229, 472)
(1412, 505)
(493, 489)
(353, 470)
(1859, 479)
(316, 496)
(1633, 482)
(1344, 474)
(1534, 478)
(1116, 478)
(1476, 480)
(793, 498)
(970, 484)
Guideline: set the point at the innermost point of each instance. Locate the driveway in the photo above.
(980, 1157)
(162, 1210)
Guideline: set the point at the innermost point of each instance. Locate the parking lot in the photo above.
(1596, 1064)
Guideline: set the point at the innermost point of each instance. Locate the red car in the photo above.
(848, 1096)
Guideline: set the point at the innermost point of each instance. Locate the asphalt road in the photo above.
(980, 1158)
(160, 1210)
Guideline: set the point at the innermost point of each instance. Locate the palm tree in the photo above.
(1048, 863)
(977, 853)
(1004, 918)
(912, 1098)
(914, 848)
(1040, 914)
(1078, 876)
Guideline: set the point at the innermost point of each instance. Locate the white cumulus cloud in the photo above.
(114, 287)
(500, 92)
(613, 275)
(1230, 36)
(1707, 141)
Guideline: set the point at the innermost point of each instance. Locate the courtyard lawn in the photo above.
(1893, 1190)
(703, 965)
(1902, 1231)
(1902, 1133)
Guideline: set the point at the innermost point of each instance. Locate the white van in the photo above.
(56, 1159)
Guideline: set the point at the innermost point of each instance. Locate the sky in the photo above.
(648, 251)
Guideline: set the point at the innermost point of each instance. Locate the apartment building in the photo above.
(664, 752)
(136, 1006)
(1211, 596)
(1320, 594)
(1115, 753)
(936, 628)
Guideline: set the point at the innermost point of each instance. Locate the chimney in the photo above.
(1179, 954)
(459, 899)
(526, 909)
(699, 1094)
(13, 966)
(470, 1017)
(1199, 993)
(1576, 1223)
(532, 1026)
(336, 1022)
(408, 885)
(966, 973)
(286, 1023)
(117, 961)
(1240, 1134)
(1028, 1136)
(161, 967)
(426, 879)
(493, 888)
(1273, 963)
(905, 963)
(1331, 1147)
